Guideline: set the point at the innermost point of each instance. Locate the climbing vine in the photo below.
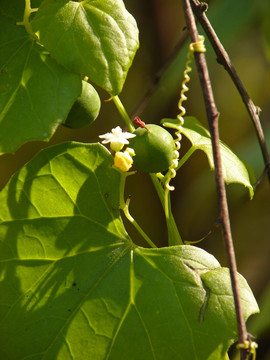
(74, 283)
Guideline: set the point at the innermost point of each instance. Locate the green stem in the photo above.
(166, 203)
(174, 237)
(185, 157)
(123, 113)
(158, 187)
(26, 23)
(125, 207)
(180, 163)
(136, 225)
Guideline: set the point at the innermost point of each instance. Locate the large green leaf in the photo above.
(74, 285)
(234, 170)
(36, 93)
(94, 37)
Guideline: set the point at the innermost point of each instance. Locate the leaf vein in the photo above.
(95, 285)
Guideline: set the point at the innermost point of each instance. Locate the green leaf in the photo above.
(96, 38)
(234, 170)
(74, 286)
(36, 93)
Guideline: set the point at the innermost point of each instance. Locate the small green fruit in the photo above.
(85, 109)
(154, 149)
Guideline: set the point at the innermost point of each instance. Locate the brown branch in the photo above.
(213, 117)
(223, 59)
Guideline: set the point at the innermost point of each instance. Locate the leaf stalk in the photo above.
(124, 205)
(26, 16)
(123, 113)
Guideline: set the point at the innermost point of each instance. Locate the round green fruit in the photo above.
(154, 149)
(85, 109)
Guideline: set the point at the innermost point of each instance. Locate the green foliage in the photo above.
(75, 286)
(86, 108)
(234, 170)
(36, 93)
(95, 38)
(154, 149)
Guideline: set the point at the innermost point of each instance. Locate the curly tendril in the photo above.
(249, 345)
(193, 47)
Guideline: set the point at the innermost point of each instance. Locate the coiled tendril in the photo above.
(178, 123)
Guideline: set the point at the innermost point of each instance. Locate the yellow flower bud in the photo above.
(123, 161)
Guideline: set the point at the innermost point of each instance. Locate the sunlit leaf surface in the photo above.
(234, 170)
(75, 286)
(96, 38)
(36, 93)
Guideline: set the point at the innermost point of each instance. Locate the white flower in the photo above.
(117, 138)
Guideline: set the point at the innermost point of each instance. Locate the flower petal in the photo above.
(117, 138)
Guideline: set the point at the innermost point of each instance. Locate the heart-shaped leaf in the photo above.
(36, 93)
(74, 286)
(234, 170)
(96, 38)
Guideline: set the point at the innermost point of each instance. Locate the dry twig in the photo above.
(213, 117)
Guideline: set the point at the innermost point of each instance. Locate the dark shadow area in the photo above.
(53, 262)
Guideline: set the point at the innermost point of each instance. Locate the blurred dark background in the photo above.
(244, 29)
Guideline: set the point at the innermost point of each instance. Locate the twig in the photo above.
(223, 59)
(213, 117)
(158, 75)
(260, 179)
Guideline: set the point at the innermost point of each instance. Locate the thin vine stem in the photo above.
(136, 225)
(123, 113)
(185, 157)
(174, 237)
(213, 118)
(124, 205)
